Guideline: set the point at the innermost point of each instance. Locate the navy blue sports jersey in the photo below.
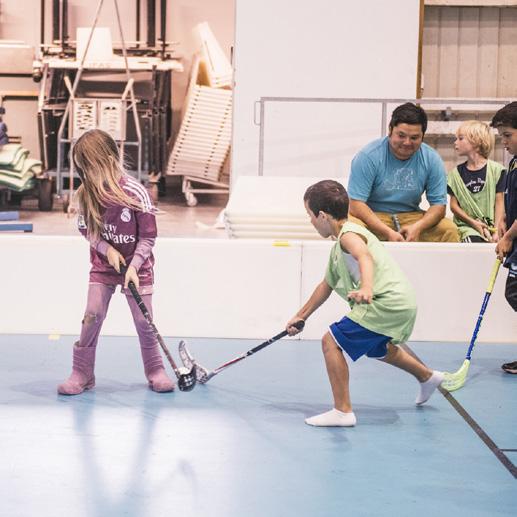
(510, 206)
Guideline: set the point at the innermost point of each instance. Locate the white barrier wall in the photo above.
(242, 288)
(450, 281)
(203, 287)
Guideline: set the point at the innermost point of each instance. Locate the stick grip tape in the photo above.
(493, 275)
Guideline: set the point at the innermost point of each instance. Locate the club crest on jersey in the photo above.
(125, 215)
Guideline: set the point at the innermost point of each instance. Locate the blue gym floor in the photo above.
(238, 446)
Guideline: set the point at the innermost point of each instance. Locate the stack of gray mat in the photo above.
(269, 208)
(17, 170)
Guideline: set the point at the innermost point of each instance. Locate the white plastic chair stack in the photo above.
(218, 67)
(204, 137)
(203, 141)
(269, 207)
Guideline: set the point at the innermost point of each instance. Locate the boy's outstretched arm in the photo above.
(354, 244)
(319, 296)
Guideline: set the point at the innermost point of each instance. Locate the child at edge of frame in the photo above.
(383, 305)
(118, 219)
(505, 121)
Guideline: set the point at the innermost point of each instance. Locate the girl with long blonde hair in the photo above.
(117, 217)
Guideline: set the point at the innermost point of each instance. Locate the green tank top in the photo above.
(479, 205)
(393, 309)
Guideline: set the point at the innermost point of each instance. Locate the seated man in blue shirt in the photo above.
(389, 176)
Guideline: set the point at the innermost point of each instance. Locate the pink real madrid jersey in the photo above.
(123, 228)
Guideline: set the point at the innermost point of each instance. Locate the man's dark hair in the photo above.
(506, 116)
(327, 196)
(409, 113)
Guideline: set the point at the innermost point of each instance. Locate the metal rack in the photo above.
(130, 96)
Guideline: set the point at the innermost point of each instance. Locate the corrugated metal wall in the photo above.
(469, 52)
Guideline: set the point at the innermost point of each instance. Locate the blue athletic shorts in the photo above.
(357, 341)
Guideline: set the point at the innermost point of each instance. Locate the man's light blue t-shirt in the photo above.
(387, 184)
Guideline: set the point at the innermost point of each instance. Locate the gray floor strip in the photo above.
(499, 453)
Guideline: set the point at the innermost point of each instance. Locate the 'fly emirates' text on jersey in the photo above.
(123, 228)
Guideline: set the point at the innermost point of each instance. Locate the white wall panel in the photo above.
(225, 288)
(43, 284)
(203, 287)
(324, 146)
(243, 289)
(450, 281)
(314, 263)
(329, 49)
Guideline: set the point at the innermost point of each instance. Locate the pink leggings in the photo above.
(99, 296)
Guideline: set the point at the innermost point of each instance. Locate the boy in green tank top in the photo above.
(383, 306)
(476, 186)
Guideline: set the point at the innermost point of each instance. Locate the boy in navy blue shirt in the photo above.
(505, 121)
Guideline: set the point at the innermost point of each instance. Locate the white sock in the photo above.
(332, 418)
(427, 388)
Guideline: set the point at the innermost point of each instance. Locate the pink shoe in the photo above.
(160, 382)
(82, 377)
(75, 384)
